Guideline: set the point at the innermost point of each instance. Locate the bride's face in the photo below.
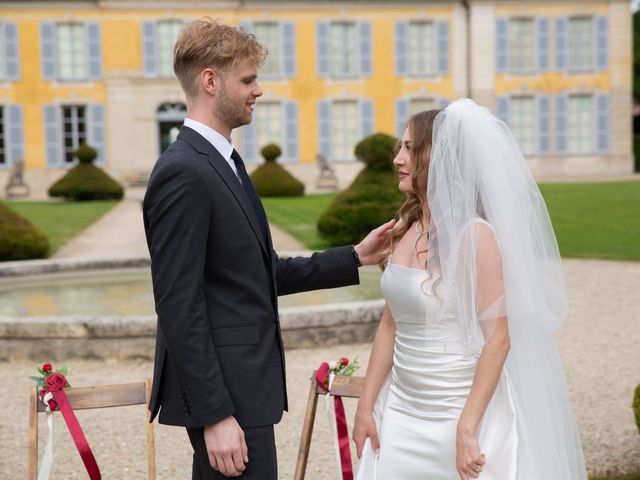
(403, 163)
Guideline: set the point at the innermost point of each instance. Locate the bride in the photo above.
(464, 379)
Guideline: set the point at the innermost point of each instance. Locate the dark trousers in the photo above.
(263, 462)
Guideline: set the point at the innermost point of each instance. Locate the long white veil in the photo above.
(479, 182)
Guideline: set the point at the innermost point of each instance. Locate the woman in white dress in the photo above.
(464, 379)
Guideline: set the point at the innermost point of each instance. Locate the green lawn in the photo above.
(299, 216)
(61, 221)
(591, 220)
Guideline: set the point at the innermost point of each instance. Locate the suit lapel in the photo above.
(223, 169)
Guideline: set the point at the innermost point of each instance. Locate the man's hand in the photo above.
(371, 248)
(226, 447)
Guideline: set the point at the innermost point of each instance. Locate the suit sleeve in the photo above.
(177, 216)
(332, 268)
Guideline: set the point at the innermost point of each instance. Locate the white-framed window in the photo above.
(3, 141)
(158, 40)
(342, 123)
(68, 126)
(268, 33)
(523, 121)
(581, 43)
(420, 104)
(71, 51)
(421, 48)
(275, 120)
(344, 49)
(279, 38)
(422, 60)
(269, 120)
(581, 126)
(74, 131)
(522, 45)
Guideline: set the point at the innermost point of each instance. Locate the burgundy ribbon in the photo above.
(322, 377)
(57, 390)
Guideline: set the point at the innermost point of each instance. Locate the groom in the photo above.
(219, 365)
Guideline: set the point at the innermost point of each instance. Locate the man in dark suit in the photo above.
(219, 365)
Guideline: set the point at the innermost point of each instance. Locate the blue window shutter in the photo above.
(561, 44)
(289, 49)
(322, 44)
(96, 131)
(543, 125)
(15, 134)
(366, 67)
(502, 108)
(48, 50)
(291, 131)
(442, 102)
(603, 123)
(402, 115)
(11, 51)
(443, 47)
(324, 127)
(602, 43)
(94, 48)
(502, 45)
(367, 119)
(561, 123)
(149, 48)
(250, 143)
(542, 27)
(401, 45)
(53, 135)
(246, 26)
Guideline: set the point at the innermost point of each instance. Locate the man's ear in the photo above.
(210, 81)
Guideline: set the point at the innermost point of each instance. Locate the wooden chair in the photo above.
(349, 387)
(94, 397)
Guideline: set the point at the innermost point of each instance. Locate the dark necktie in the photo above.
(252, 195)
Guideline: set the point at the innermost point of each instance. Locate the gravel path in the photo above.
(599, 346)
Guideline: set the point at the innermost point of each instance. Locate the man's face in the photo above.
(237, 95)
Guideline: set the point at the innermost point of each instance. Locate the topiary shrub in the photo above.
(19, 238)
(271, 179)
(636, 406)
(372, 199)
(85, 181)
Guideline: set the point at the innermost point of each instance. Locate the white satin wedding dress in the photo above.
(419, 406)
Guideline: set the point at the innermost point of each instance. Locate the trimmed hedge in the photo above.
(85, 181)
(371, 200)
(636, 406)
(271, 179)
(19, 238)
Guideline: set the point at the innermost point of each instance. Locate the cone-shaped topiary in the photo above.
(271, 179)
(372, 199)
(636, 406)
(19, 238)
(85, 181)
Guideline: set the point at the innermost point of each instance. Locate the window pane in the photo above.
(581, 126)
(421, 58)
(523, 124)
(71, 50)
(74, 131)
(581, 43)
(522, 45)
(343, 57)
(3, 157)
(268, 33)
(167, 35)
(269, 123)
(420, 105)
(345, 129)
(2, 72)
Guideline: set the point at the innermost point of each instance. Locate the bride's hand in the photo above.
(364, 427)
(469, 460)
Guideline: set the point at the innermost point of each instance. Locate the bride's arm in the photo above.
(380, 362)
(490, 299)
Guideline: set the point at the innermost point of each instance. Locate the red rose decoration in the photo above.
(344, 361)
(46, 367)
(55, 382)
(52, 403)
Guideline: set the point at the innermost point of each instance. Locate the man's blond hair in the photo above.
(207, 43)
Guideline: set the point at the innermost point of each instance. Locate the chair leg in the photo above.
(33, 434)
(151, 447)
(307, 431)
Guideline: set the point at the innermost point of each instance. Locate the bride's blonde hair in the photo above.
(420, 127)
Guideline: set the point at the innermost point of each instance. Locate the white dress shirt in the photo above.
(224, 146)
